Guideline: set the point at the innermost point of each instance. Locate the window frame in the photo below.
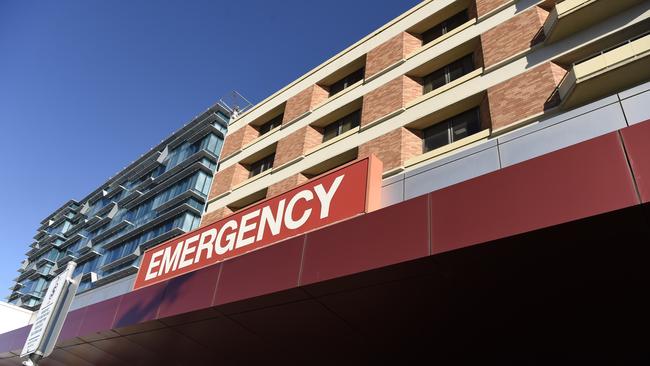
(452, 123)
(347, 81)
(445, 26)
(338, 126)
(269, 125)
(264, 164)
(467, 60)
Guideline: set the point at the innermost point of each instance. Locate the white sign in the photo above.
(42, 329)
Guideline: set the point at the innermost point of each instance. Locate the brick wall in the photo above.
(393, 148)
(524, 95)
(214, 216)
(286, 184)
(513, 36)
(303, 102)
(389, 97)
(391, 51)
(227, 178)
(296, 144)
(238, 139)
(485, 6)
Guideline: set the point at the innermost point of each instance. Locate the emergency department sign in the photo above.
(340, 194)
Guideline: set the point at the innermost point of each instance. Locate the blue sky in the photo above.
(86, 87)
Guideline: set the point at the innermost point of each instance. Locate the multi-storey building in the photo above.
(512, 224)
(445, 77)
(160, 195)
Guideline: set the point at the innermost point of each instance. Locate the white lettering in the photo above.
(187, 250)
(289, 222)
(244, 227)
(230, 238)
(325, 198)
(274, 223)
(153, 264)
(206, 244)
(170, 261)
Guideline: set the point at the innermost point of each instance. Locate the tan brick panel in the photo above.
(524, 95)
(296, 144)
(513, 36)
(214, 216)
(224, 180)
(390, 52)
(286, 185)
(393, 148)
(303, 102)
(485, 6)
(238, 139)
(389, 98)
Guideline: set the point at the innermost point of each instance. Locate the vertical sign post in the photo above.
(49, 320)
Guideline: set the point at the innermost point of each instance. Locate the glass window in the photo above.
(448, 73)
(342, 125)
(346, 81)
(261, 165)
(445, 27)
(452, 129)
(273, 123)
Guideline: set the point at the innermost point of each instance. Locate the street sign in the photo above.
(49, 320)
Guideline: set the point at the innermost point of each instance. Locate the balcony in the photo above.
(571, 16)
(607, 72)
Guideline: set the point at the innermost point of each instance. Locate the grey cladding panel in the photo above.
(560, 135)
(637, 108)
(471, 166)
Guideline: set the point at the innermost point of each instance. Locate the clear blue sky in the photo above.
(86, 86)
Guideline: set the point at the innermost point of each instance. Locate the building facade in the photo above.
(440, 79)
(158, 196)
(512, 222)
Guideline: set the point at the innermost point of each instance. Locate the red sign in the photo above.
(340, 194)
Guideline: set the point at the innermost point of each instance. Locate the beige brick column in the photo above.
(524, 95)
(224, 180)
(393, 148)
(513, 36)
(286, 185)
(390, 52)
(238, 139)
(389, 97)
(296, 144)
(303, 102)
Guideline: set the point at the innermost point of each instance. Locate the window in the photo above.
(261, 165)
(448, 73)
(452, 129)
(342, 125)
(346, 81)
(445, 27)
(273, 123)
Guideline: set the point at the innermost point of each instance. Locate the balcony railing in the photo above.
(606, 72)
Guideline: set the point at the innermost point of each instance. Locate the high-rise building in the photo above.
(160, 195)
(466, 184)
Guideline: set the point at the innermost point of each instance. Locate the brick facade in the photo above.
(227, 178)
(303, 102)
(296, 144)
(524, 95)
(238, 139)
(393, 148)
(286, 184)
(214, 216)
(485, 6)
(389, 97)
(391, 51)
(513, 36)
